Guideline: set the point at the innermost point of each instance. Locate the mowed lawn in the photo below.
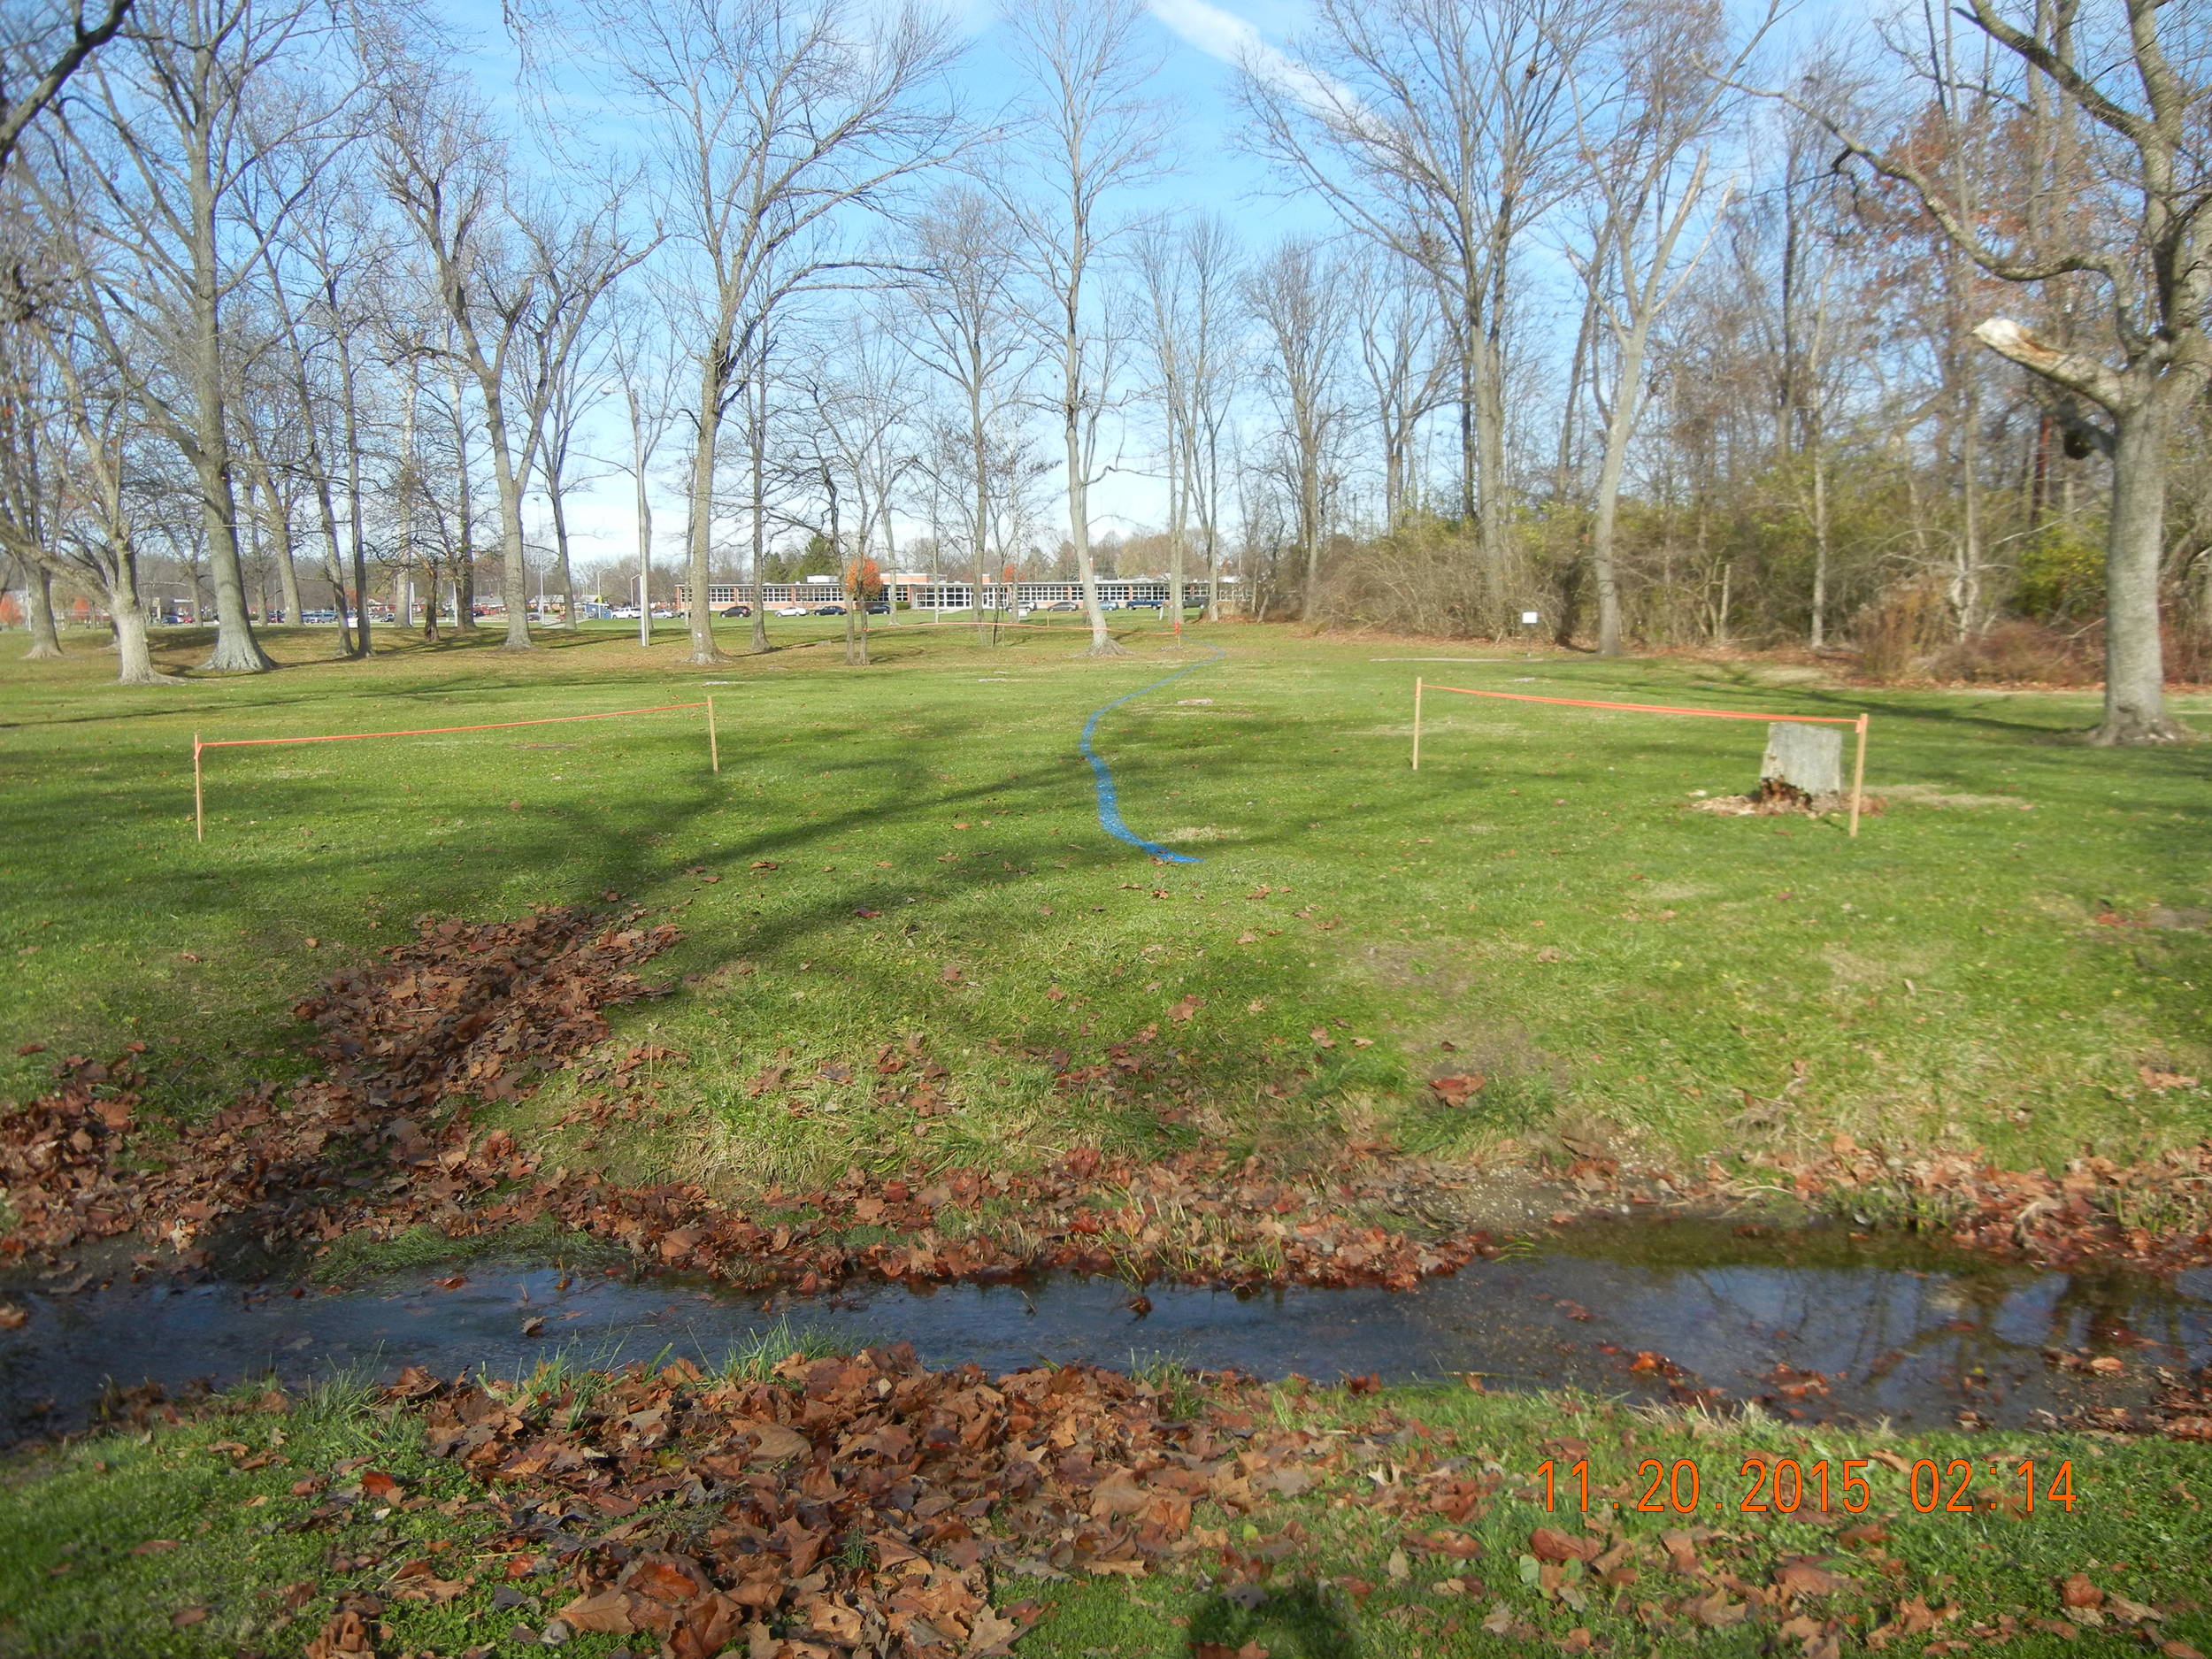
(912, 848)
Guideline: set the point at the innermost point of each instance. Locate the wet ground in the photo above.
(1815, 1324)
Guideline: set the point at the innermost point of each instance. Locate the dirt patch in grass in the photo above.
(1929, 795)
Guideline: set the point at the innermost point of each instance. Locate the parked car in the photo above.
(829, 611)
(734, 610)
(789, 610)
(1060, 604)
(624, 613)
(879, 609)
(1147, 604)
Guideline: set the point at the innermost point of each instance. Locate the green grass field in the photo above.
(107, 1544)
(2010, 957)
(912, 847)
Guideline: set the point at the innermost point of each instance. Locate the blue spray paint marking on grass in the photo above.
(1108, 809)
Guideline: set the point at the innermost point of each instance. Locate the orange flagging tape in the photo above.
(1656, 708)
(432, 731)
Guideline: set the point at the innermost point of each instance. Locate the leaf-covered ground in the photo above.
(809, 1507)
(382, 1142)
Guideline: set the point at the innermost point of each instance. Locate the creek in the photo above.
(1815, 1324)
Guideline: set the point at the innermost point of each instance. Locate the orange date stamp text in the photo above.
(1788, 1486)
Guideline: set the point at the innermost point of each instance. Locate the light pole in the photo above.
(644, 613)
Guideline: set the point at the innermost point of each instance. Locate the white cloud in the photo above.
(1220, 32)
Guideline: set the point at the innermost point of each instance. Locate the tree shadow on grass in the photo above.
(305, 843)
(1304, 1622)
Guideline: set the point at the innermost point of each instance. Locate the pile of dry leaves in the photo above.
(459, 1012)
(383, 1142)
(2156, 1214)
(865, 1507)
(860, 1504)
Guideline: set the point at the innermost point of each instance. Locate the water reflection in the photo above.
(1814, 1326)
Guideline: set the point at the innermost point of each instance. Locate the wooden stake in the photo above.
(199, 801)
(1416, 723)
(714, 749)
(1858, 779)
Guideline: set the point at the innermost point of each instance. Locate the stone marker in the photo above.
(1806, 757)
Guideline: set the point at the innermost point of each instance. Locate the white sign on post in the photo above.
(1530, 619)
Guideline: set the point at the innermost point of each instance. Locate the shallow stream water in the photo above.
(1893, 1331)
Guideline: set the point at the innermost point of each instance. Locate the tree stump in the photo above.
(1803, 764)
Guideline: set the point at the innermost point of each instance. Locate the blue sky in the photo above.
(1197, 43)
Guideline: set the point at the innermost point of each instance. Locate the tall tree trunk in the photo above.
(979, 441)
(1490, 455)
(1080, 507)
(2135, 677)
(1820, 543)
(756, 453)
(560, 552)
(327, 506)
(236, 650)
(45, 637)
(135, 662)
(514, 570)
(1177, 533)
(1103, 643)
(1310, 524)
(356, 536)
(407, 487)
(464, 505)
(645, 528)
(288, 572)
(1619, 427)
(699, 533)
(1469, 332)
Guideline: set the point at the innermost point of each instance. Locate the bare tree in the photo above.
(2142, 118)
(1645, 140)
(1393, 309)
(1788, 270)
(33, 473)
(1444, 132)
(206, 136)
(853, 449)
(72, 441)
(336, 257)
(772, 119)
(1297, 297)
(1213, 362)
(562, 369)
(648, 377)
(512, 277)
(45, 50)
(1094, 130)
(960, 320)
(314, 271)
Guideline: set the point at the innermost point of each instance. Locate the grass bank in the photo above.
(910, 851)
